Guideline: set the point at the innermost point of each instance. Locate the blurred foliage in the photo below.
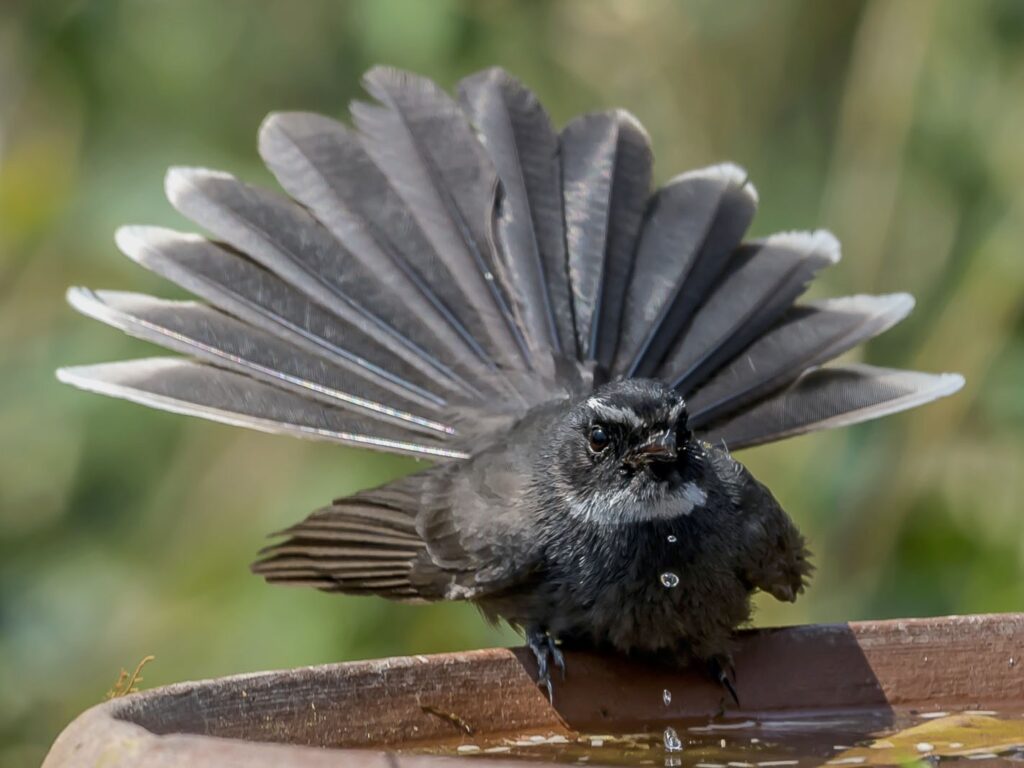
(125, 532)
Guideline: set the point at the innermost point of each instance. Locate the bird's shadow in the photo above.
(811, 669)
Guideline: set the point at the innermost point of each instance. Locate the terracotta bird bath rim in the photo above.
(358, 713)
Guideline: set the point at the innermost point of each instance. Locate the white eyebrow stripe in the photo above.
(613, 412)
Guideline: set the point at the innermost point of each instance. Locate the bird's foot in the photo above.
(545, 650)
(725, 672)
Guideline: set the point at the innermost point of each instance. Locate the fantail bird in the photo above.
(457, 281)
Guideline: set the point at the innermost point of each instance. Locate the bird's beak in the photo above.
(661, 448)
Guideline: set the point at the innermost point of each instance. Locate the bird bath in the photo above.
(950, 686)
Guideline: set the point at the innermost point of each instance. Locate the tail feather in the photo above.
(195, 329)
(827, 398)
(763, 280)
(183, 386)
(516, 132)
(606, 179)
(422, 141)
(324, 166)
(249, 292)
(286, 240)
(807, 337)
(692, 225)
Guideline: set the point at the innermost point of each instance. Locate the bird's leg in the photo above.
(725, 672)
(556, 655)
(543, 646)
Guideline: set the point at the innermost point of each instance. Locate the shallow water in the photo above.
(858, 738)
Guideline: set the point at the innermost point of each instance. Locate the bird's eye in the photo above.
(599, 439)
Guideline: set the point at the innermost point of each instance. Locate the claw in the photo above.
(543, 647)
(727, 684)
(725, 671)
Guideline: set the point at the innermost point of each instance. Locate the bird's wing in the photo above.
(769, 550)
(439, 534)
(446, 266)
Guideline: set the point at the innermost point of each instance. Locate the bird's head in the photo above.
(626, 447)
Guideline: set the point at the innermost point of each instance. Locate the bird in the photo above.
(576, 352)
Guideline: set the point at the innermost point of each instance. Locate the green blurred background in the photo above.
(124, 532)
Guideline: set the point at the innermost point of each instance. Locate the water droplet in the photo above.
(672, 539)
(669, 579)
(672, 740)
(666, 696)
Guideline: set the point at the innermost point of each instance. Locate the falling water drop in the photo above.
(672, 538)
(666, 697)
(672, 740)
(669, 579)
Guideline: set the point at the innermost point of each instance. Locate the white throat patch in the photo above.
(622, 506)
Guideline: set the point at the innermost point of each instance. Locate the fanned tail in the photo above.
(446, 266)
